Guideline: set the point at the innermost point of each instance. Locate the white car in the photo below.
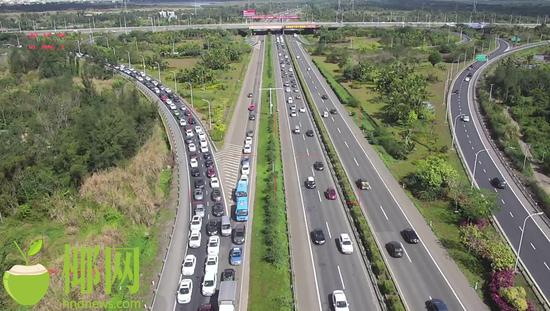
(189, 133)
(185, 290)
(214, 182)
(169, 101)
(157, 91)
(325, 114)
(183, 122)
(203, 142)
(200, 210)
(213, 245)
(196, 223)
(346, 246)
(193, 162)
(245, 170)
(247, 149)
(195, 239)
(287, 90)
(467, 79)
(302, 109)
(202, 136)
(211, 264)
(204, 149)
(198, 129)
(189, 264)
(192, 147)
(339, 301)
(293, 113)
(248, 141)
(244, 178)
(209, 284)
(465, 118)
(169, 91)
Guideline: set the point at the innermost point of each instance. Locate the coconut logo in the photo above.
(27, 284)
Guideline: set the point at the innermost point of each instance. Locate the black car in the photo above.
(436, 305)
(499, 183)
(239, 233)
(310, 183)
(410, 236)
(395, 249)
(217, 209)
(212, 227)
(251, 116)
(319, 166)
(228, 275)
(191, 120)
(309, 133)
(318, 236)
(188, 140)
(207, 155)
(250, 133)
(333, 111)
(198, 183)
(324, 96)
(209, 163)
(195, 172)
(216, 195)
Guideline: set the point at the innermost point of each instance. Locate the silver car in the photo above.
(198, 194)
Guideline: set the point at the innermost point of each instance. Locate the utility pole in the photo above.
(491, 92)
(143, 60)
(129, 62)
(209, 113)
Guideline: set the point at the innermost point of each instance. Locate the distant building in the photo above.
(168, 14)
(476, 25)
(541, 58)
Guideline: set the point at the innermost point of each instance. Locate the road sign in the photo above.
(515, 39)
(481, 58)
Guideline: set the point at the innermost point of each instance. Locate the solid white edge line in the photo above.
(341, 278)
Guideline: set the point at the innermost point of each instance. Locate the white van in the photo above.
(226, 226)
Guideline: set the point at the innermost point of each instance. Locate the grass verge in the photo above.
(385, 282)
(270, 279)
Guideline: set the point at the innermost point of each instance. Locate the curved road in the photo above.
(472, 140)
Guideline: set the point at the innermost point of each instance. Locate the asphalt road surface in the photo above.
(318, 269)
(424, 272)
(472, 141)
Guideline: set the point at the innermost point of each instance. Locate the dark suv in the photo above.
(498, 182)
(319, 166)
(410, 236)
(239, 235)
(318, 236)
(212, 227)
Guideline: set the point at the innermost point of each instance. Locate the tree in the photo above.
(431, 178)
(476, 204)
(434, 58)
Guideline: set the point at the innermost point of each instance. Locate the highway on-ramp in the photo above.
(425, 272)
(471, 141)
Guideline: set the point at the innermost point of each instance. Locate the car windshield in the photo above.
(341, 304)
(241, 212)
(236, 253)
(209, 283)
(184, 291)
(346, 242)
(188, 264)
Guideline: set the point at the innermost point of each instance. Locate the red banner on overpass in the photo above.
(275, 17)
(249, 13)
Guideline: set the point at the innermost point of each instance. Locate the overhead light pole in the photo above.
(158, 66)
(521, 237)
(175, 82)
(454, 131)
(192, 100)
(209, 113)
(475, 166)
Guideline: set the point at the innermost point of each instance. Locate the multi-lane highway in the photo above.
(472, 142)
(425, 271)
(318, 269)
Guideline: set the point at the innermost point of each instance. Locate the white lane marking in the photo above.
(328, 229)
(520, 228)
(546, 265)
(338, 129)
(341, 278)
(406, 254)
(346, 143)
(312, 171)
(354, 159)
(501, 200)
(469, 141)
(472, 147)
(332, 119)
(495, 190)
(485, 171)
(533, 246)
(307, 151)
(511, 215)
(303, 137)
(479, 162)
(467, 135)
(319, 193)
(383, 212)
(175, 303)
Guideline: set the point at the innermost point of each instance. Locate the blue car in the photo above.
(236, 256)
(436, 305)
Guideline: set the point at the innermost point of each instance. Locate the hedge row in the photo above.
(385, 282)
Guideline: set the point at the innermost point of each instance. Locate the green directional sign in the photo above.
(481, 57)
(515, 39)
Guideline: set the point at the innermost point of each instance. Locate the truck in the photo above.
(226, 296)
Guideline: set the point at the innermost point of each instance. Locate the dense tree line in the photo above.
(56, 130)
(524, 87)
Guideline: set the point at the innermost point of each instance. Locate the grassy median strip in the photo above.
(270, 278)
(385, 282)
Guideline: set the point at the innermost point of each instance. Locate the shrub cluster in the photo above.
(505, 295)
(397, 149)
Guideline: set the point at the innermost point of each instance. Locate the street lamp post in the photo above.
(129, 62)
(192, 100)
(175, 82)
(454, 132)
(491, 92)
(475, 166)
(143, 62)
(158, 66)
(209, 114)
(521, 237)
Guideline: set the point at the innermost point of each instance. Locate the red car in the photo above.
(163, 98)
(330, 194)
(251, 107)
(211, 172)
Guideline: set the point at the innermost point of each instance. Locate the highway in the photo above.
(318, 269)
(425, 271)
(472, 140)
(244, 26)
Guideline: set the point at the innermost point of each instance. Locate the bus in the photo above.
(241, 195)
